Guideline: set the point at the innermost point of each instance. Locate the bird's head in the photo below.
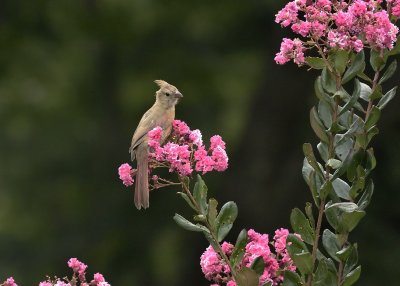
(168, 95)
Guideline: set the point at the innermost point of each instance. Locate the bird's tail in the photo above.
(142, 178)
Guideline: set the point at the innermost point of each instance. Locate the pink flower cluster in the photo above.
(348, 25)
(186, 152)
(79, 269)
(9, 282)
(125, 174)
(274, 254)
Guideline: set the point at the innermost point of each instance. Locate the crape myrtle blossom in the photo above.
(183, 153)
(9, 282)
(348, 25)
(274, 254)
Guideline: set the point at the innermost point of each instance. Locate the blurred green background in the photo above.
(75, 78)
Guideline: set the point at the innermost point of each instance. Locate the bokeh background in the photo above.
(75, 78)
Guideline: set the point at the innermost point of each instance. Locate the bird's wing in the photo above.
(152, 118)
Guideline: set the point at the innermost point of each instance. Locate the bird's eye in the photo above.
(167, 94)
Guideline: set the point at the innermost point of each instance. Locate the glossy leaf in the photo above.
(225, 219)
(301, 225)
(352, 277)
(341, 189)
(373, 117)
(340, 59)
(258, 265)
(200, 194)
(187, 199)
(387, 98)
(371, 161)
(344, 253)
(324, 277)
(366, 196)
(317, 125)
(310, 215)
(291, 279)
(309, 154)
(238, 251)
(299, 253)
(356, 94)
(345, 164)
(184, 223)
(334, 163)
(389, 72)
(325, 113)
(330, 244)
(344, 217)
(247, 277)
(351, 261)
(315, 62)
(328, 81)
(320, 92)
(323, 151)
(357, 66)
(376, 60)
(365, 91)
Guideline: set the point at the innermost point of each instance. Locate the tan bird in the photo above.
(162, 114)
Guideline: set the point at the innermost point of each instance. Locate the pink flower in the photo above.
(358, 8)
(343, 19)
(213, 267)
(302, 28)
(196, 137)
(216, 141)
(62, 283)
(291, 49)
(77, 266)
(124, 172)
(45, 283)
(396, 8)
(324, 4)
(288, 15)
(180, 127)
(220, 159)
(9, 282)
(231, 283)
(98, 277)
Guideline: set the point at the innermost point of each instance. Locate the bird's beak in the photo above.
(178, 95)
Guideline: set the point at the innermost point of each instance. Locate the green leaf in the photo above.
(323, 151)
(324, 277)
(341, 189)
(317, 126)
(371, 161)
(352, 261)
(315, 62)
(320, 92)
(301, 225)
(181, 221)
(344, 253)
(309, 213)
(247, 277)
(340, 59)
(355, 162)
(330, 244)
(373, 117)
(334, 163)
(225, 219)
(328, 81)
(186, 198)
(357, 66)
(396, 49)
(366, 196)
(387, 98)
(315, 185)
(354, 97)
(325, 113)
(200, 194)
(343, 146)
(352, 277)
(212, 212)
(345, 164)
(344, 217)
(258, 265)
(238, 251)
(299, 253)
(389, 72)
(325, 189)
(291, 279)
(309, 154)
(365, 91)
(377, 62)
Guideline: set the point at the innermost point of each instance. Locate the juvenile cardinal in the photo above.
(162, 114)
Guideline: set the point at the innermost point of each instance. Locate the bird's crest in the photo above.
(161, 83)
